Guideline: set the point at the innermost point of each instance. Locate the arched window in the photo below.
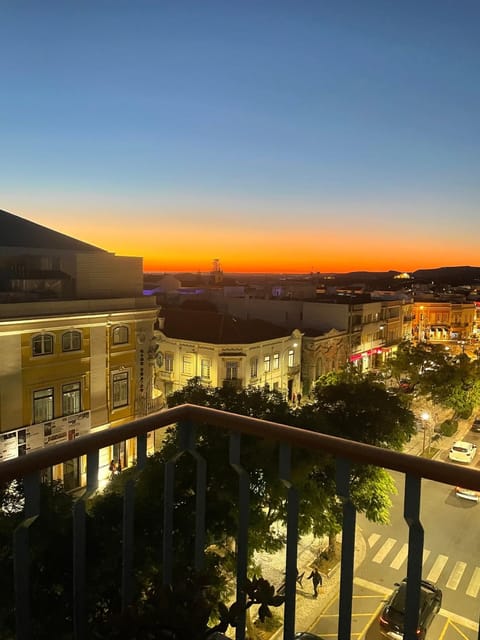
(71, 341)
(42, 344)
(120, 335)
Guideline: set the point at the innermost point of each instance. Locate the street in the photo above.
(451, 559)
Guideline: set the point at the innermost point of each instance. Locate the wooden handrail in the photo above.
(357, 452)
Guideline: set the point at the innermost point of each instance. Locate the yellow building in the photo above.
(75, 339)
(443, 320)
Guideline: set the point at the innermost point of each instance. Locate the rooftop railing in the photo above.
(346, 452)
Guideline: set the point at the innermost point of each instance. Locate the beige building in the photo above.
(373, 328)
(222, 350)
(75, 334)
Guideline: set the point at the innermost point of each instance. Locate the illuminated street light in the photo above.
(425, 416)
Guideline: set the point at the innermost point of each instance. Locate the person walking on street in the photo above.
(316, 578)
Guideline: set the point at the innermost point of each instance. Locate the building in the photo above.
(374, 327)
(444, 320)
(220, 350)
(75, 333)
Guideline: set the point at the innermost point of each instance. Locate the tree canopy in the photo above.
(350, 407)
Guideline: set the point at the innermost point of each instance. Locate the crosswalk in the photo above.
(452, 574)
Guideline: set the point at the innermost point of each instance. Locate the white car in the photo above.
(467, 494)
(462, 451)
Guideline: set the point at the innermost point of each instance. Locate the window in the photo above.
(291, 358)
(169, 361)
(205, 368)
(72, 341)
(276, 360)
(120, 335)
(232, 370)
(187, 365)
(42, 344)
(253, 367)
(120, 389)
(43, 405)
(71, 398)
(266, 364)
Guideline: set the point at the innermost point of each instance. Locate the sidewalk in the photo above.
(416, 445)
(308, 608)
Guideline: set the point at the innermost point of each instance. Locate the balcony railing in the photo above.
(28, 469)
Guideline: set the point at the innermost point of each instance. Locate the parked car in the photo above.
(467, 494)
(462, 451)
(392, 617)
(476, 424)
(406, 386)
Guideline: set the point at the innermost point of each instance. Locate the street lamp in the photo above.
(425, 416)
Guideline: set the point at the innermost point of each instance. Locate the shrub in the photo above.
(449, 427)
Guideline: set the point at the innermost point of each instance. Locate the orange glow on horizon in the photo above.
(180, 241)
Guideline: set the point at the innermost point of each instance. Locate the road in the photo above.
(451, 559)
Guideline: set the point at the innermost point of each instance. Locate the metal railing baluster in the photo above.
(415, 553)
(343, 468)
(285, 472)
(242, 536)
(21, 556)
(79, 570)
(141, 451)
(128, 543)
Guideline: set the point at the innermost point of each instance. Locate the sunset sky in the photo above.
(276, 136)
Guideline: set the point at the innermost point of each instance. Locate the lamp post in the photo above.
(425, 416)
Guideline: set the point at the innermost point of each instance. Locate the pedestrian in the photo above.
(119, 467)
(300, 577)
(112, 468)
(299, 398)
(316, 578)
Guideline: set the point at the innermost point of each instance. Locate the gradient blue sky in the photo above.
(282, 136)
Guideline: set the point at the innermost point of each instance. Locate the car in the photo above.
(393, 614)
(462, 451)
(476, 424)
(467, 494)
(406, 386)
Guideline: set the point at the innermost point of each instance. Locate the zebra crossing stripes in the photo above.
(372, 539)
(452, 577)
(384, 550)
(437, 568)
(456, 575)
(400, 557)
(426, 553)
(474, 584)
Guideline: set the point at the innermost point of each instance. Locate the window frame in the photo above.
(71, 335)
(168, 361)
(232, 366)
(254, 367)
(117, 335)
(120, 382)
(187, 362)
(276, 361)
(267, 364)
(77, 397)
(205, 368)
(41, 338)
(49, 394)
(291, 357)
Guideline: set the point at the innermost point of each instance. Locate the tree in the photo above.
(449, 381)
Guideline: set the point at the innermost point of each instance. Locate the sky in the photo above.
(299, 136)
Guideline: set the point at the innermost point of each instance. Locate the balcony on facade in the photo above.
(28, 470)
